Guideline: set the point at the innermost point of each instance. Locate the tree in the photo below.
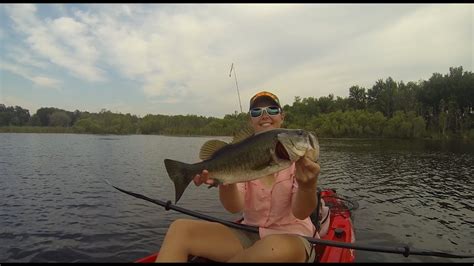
(44, 114)
(380, 96)
(13, 116)
(405, 99)
(326, 104)
(5, 115)
(357, 98)
(59, 119)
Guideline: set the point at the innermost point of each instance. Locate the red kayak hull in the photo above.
(340, 229)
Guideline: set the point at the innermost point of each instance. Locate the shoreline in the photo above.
(61, 130)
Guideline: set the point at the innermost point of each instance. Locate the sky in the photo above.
(175, 59)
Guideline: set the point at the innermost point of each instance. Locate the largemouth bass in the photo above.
(249, 156)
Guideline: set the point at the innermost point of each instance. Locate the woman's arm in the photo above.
(305, 200)
(231, 198)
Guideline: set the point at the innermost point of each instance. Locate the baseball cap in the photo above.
(264, 94)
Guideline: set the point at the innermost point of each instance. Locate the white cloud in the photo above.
(179, 55)
(61, 41)
(46, 82)
(410, 47)
(14, 69)
(41, 81)
(24, 57)
(167, 52)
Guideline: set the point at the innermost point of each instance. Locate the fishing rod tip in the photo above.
(107, 181)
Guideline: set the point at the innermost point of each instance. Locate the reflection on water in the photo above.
(56, 206)
(411, 193)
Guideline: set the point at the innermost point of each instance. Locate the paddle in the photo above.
(406, 251)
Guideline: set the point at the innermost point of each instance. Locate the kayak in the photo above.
(340, 229)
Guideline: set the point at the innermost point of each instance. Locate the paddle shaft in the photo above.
(406, 251)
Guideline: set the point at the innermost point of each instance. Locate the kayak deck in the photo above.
(340, 229)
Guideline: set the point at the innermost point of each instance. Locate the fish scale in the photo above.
(223, 171)
(251, 158)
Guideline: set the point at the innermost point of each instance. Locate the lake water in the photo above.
(56, 207)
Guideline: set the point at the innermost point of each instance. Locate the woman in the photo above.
(280, 204)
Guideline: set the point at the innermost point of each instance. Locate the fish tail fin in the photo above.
(181, 175)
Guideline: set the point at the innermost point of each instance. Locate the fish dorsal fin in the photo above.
(210, 147)
(243, 134)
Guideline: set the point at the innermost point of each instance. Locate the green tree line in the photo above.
(440, 107)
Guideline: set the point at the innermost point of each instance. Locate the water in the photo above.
(56, 207)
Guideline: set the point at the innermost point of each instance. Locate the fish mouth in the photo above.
(281, 152)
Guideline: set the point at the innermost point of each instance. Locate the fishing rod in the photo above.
(237, 85)
(406, 251)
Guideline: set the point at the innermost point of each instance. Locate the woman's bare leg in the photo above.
(199, 238)
(273, 248)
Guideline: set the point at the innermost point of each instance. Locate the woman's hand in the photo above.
(304, 201)
(203, 178)
(307, 172)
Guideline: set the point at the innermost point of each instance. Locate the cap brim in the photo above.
(257, 100)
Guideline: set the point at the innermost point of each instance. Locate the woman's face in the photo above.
(265, 121)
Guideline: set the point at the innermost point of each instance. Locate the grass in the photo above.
(31, 129)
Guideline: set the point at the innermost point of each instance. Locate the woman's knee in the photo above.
(189, 228)
(180, 227)
(203, 238)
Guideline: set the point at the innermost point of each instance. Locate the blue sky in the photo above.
(175, 58)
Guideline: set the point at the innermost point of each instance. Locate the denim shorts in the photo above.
(247, 239)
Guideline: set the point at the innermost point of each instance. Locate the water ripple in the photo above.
(56, 206)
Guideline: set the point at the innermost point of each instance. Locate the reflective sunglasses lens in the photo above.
(256, 112)
(273, 110)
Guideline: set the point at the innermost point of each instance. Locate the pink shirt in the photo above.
(270, 208)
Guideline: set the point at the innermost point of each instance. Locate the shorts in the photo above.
(247, 239)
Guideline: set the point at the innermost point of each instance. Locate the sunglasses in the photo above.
(258, 111)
